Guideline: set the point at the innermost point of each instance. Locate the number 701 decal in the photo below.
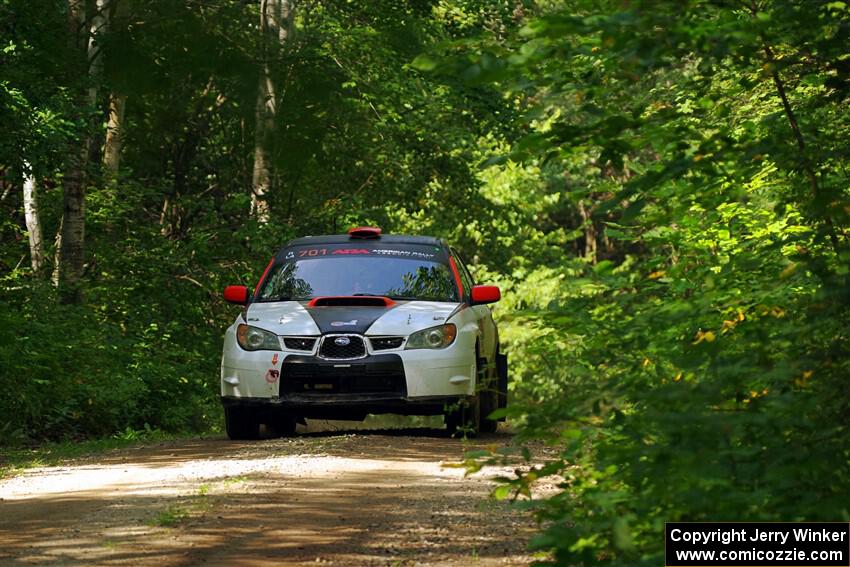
(312, 252)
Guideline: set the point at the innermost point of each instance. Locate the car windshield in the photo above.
(395, 278)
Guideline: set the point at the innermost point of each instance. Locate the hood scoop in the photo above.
(351, 301)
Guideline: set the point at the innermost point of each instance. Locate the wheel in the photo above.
(283, 425)
(502, 374)
(241, 424)
(464, 419)
(488, 405)
(488, 396)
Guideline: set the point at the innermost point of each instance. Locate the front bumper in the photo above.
(307, 377)
(397, 374)
(324, 389)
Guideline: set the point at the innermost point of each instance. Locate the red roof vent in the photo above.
(365, 232)
(351, 301)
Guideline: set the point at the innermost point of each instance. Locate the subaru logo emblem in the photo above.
(342, 341)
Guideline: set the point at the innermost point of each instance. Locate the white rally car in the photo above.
(343, 326)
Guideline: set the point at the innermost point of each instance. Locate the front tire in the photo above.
(464, 418)
(486, 384)
(241, 424)
(282, 426)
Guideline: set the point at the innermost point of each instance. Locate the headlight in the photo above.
(252, 338)
(435, 337)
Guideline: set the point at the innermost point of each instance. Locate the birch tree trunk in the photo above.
(114, 132)
(590, 232)
(57, 246)
(71, 248)
(33, 221)
(276, 18)
(114, 142)
(70, 251)
(93, 51)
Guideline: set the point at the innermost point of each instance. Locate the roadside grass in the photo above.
(229, 481)
(194, 505)
(14, 460)
(170, 517)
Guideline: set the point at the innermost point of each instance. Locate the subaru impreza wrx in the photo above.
(343, 326)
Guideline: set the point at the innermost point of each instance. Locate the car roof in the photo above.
(383, 239)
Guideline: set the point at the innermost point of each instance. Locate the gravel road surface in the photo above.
(380, 497)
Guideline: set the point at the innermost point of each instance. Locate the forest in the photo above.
(661, 188)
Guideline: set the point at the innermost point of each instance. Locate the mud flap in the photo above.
(502, 375)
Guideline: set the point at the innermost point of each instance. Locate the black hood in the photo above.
(355, 319)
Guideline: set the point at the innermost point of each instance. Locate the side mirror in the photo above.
(237, 294)
(482, 294)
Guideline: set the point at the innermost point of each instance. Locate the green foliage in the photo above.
(171, 517)
(689, 363)
(361, 137)
(55, 453)
(74, 371)
(660, 188)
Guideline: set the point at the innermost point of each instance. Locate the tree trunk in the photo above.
(806, 163)
(84, 40)
(276, 17)
(70, 250)
(114, 133)
(94, 54)
(32, 218)
(590, 232)
(261, 179)
(72, 241)
(114, 142)
(174, 214)
(57, 245)
(97, 28)
(4, 185)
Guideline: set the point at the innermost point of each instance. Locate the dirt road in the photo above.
(335, 498)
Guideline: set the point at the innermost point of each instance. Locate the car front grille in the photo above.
(307, 376)
(342, 347)
(384, 343)
(299, 343)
